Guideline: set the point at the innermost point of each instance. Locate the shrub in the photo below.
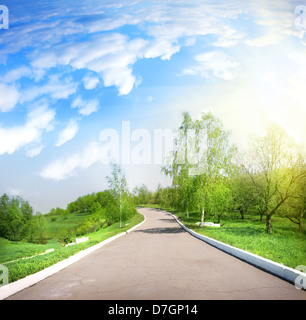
(64, 237)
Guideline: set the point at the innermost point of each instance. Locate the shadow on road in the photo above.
(168, 220)
(161, 230)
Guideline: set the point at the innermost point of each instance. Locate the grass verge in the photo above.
(285, 246)
(22, 268)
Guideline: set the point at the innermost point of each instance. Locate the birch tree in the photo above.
(203, 153)
(118, 187)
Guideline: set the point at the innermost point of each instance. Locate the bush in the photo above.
(65, 237)
(91, 224)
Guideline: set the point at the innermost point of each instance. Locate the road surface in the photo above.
(160, 261)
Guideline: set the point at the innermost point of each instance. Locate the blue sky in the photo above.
(69, 70)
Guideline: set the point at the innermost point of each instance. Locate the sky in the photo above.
(84, 84)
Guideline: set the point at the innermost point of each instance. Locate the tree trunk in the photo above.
(202, 217)
(241, 209)
(268, 224)
(187, 213)
(120, 208)
(219, 218)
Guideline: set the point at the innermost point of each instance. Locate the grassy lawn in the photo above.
(10, 250)
(286, 245)
(65, 223)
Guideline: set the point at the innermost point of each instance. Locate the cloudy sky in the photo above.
(78, 78)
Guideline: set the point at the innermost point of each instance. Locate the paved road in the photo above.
(159, 260)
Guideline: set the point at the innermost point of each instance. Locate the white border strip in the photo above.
(270, 266)
(138, 225)
(14, 287)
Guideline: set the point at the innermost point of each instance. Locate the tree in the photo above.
(36, 229)
(181, 167)
(202, 154)
(219, 197)
(4, 217)
(243, 192)
(142, 195)
(295, 208)
(95, 208)
(104, 198)
(121, 209)
(275, 166)
(15, 215)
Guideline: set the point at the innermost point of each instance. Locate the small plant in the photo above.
(64, 237)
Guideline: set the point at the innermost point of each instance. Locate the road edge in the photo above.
(28, 281)
(291, 275)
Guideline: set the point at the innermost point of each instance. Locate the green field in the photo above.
(13, 250)
(286, 245)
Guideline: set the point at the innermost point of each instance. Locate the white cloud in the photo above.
(163, 48)
(16, 74)
(55, 88)
(228, 38)
(108, 55)
(215, 62)
(34, 151)
(9, 97)
(112, 55)
(66, 167)
(13, 191)
(38, 120)
(85, 107)
(265, 40)
(297, 57)
(68, 133)
(90, 82)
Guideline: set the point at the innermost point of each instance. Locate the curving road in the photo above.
(160, 261)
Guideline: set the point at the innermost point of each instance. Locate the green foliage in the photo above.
(36, 232)
(219, 198)
(244, 193)
(285, 246)
(15, 217)
(200, 164)
(65, 236)
(122, 208)
(92, 223)
(22, 268)
(276, 167)
(142, 195)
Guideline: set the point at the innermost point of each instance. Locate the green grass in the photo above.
(10, 250)
(71, 221)
(286, 245)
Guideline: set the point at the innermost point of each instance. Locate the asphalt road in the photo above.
(160, 261)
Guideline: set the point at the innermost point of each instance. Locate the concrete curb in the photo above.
(14, 287)
(291, 275)
(138, 225)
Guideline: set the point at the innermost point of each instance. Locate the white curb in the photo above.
(14, 287)
(291, 275)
